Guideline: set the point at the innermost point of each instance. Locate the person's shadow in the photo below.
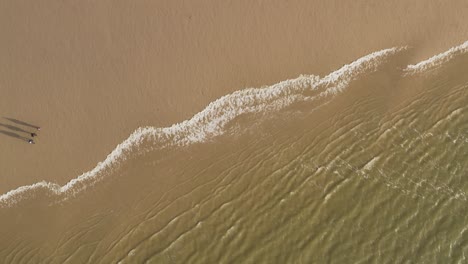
(15, 128)
(14, 135)
(19, 122)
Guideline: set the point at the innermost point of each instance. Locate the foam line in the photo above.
(437, 60)
(341, 78)
(208, 123)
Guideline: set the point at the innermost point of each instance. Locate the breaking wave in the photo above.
(436, 61)
(212, 120)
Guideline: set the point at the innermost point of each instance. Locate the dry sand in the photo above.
(90, 72)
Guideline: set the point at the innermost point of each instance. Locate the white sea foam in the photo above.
(437, 60)
(340, 79)
(371, 163)
(208, 123)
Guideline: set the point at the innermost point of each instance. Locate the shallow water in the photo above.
(367, 166)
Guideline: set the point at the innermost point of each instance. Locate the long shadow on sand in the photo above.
(19, 122)
(14, 135)
(15, 128)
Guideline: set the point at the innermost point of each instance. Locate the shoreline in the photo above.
(91, 82)
(339, 80)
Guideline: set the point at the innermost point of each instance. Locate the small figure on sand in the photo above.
(33, 135)
(31, 141)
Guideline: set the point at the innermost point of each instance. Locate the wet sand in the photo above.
(91, 73)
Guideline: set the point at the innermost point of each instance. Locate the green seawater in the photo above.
(376, 176)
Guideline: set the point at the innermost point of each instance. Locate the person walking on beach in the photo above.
(31, 141)
(33, 135)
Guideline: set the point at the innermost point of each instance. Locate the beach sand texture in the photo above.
(249, 174)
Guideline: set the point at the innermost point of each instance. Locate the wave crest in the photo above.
(438, 60)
